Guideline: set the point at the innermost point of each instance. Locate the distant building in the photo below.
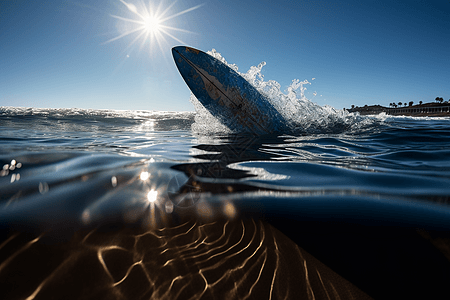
(421, 110)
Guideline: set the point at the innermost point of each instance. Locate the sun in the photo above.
(149, 24)
(152, 25)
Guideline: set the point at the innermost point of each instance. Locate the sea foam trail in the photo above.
(301, 114)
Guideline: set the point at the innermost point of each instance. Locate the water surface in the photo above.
(368, 201)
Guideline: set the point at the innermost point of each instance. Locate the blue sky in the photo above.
(64, 54)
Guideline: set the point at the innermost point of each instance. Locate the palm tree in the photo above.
(420, 102)
(411, 103)
(400, 104)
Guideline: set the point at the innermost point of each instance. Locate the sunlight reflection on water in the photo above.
(76, 219)
(231, 260)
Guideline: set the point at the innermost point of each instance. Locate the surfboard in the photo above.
(226, 94)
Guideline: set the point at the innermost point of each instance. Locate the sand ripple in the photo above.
(240, 259)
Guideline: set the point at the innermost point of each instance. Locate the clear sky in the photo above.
(77, 54)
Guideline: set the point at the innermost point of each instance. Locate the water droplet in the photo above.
(169, 207)
(114, 181)
(43, 187)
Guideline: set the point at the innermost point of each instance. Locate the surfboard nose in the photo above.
(184, 51)
(181, 56)
(188, 61)
(182, 61)
(176, 52)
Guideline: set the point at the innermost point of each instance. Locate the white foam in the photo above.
(303, 115)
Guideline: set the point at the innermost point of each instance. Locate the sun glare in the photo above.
(149, 24)
(144, 176)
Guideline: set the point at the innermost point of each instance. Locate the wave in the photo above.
(77, 119)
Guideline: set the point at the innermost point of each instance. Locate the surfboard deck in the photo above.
(226, 94)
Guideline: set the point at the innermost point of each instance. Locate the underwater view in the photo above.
(109, 204)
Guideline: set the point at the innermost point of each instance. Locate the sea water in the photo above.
(344, 188)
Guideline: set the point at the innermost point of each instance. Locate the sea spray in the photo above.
(301, 114)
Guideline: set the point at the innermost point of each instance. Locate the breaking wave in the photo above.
(85, 120)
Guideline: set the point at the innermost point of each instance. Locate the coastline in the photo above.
(419, 110)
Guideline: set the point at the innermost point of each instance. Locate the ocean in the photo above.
(110, 204)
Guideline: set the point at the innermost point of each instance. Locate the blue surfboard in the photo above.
(226, 94)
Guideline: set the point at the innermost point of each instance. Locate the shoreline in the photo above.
(420, 110)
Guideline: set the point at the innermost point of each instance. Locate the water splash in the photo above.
(303, 115)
